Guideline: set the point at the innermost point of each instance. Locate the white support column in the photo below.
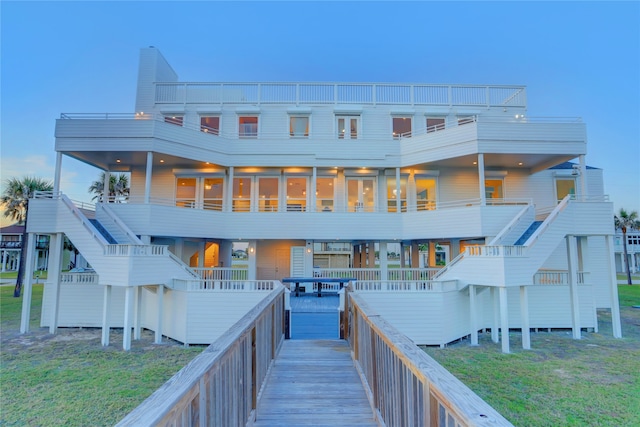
(106, 187)
(229, 196)
(583, 176)
(53, 277)
(57, 173)
(384, 262)
(137, 313)
(572, 260)
(473, 315)
(504, 319)
(308, 258)
(106, 315)
(159, 320)
(371, 254)
(524, 312)
(251, 260)
(201, 254)
(398, 194)
(613, 287)
(27, 290)
(147, 178)
(481, 184)
(126, 330)
(313, 190)
(495, 328)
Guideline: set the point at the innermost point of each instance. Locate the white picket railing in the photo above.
(222, 273)
(339, 93)
(79, 278)
(223, 285)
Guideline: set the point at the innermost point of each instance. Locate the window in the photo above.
(299, 126)
(213, 193)
(296, 194)
(241, 194)
(564, 187)
(347, 127)
(210, 124)
(186, 192)
(435, 124)
(248, 127)
(401, 127)
(392, 195)
(324, 194)
(425, 193)
(268, 194)
(493, 189)
(174, 120)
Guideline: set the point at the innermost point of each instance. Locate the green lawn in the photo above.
(594, 381)
(71, 380)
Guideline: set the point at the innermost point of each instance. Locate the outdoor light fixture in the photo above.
(251, 249)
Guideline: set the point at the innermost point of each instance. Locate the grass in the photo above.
(594, 381)
(69, 379)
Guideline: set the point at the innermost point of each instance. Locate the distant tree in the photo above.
(15, 200)
(118, 188)
(626, 221)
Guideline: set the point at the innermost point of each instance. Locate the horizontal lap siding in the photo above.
(174, 324)
(417, 315)
(212, 314)
(82, 306)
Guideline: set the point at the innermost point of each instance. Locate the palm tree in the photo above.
(15, 200)
(626, 221)
(118, 187)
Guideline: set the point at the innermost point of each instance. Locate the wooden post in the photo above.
(126, 332)
(27, 292)
(106, 315)
(496, 316)
(473, 315)
(572, 261)
(524, 311)
(504, 319)
(55, 260)
(613, 288)
(137, 313)
(160, 293)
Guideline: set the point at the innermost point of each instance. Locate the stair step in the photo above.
(103, 231)
(525, 236)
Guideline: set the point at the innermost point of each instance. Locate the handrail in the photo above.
(83, 220)
(498, 239)
(548, 220)
(121, 225)
(405, 385)
(223, 285)
(221, 385)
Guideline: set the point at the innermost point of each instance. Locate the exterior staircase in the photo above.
(117, 255)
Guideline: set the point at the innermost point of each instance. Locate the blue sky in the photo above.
(576, 59)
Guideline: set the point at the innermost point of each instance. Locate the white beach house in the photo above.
(454, 210)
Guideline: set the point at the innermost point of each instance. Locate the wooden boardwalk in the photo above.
(315, 318)
(314, 383)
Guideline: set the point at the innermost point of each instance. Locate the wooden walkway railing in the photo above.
(220, 386)
(405, 385)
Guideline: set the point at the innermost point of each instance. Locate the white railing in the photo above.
(494, 251)
(411, 273)
(79, 278)
(557, 277)
(309, 93)
(405, 286)
(222, 273)
(136, 250)
(357, 273)
(510, 226)
(121, 225)
(224, 285)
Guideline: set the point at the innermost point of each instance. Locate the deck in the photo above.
(315, 318)
(314, 382)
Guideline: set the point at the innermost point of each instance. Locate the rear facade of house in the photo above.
(453, 209)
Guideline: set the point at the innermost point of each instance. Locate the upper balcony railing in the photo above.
(340, 93)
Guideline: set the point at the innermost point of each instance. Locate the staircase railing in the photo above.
(510, 226)
(120, 225)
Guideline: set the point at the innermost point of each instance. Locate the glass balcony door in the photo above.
(361, 194)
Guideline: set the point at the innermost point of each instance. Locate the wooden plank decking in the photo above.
(314, 383)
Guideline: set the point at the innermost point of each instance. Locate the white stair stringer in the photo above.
(117, 265)
(115, 226)
(493, 265)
